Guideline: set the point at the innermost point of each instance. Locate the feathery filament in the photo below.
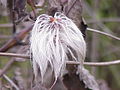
(52, 40)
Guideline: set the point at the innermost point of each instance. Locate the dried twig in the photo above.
(11, 82)
(16, 39)
(100, 32)
(96, 63)
(71, 7)
(68, 62)
(32, 5)
(90, 12)
(6, 67)
(6, 25)
(14, 55)
(11, 61)
(13, 16)
(104, 20)
(4, 36)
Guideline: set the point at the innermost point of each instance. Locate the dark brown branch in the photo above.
(68, 62)
(15, 39)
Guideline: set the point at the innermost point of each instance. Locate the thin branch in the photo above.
(9, 63)
(96, 63)
(100, 32)
(71, 7)
(90, 11)
(16, 39)
(13, 16)
(6, 25)
(103, 20)
(14, 55)
(4, 36)
(32, 5)
(68, 62)
(11, 82)
(6, 67)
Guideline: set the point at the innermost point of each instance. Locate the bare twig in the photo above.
(71, 7)
(32, 5)
(6, 25)
(4, 36)
(90, 11)
(13, 16)
(104, 20)
(95, 40)
(11, 61)
(100, 32)
(16, 39)
(96, 63)
(14, 55)
(68, 62)
(11, 82)
(6, 67)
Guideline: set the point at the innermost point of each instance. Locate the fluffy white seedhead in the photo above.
(53, 40)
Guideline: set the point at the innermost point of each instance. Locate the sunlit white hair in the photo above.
(52, 40)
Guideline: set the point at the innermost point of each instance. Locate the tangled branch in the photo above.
(68, 62)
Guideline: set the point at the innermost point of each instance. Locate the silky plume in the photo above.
(52, 39)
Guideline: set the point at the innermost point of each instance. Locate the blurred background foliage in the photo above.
(103, 15)
(101, 48)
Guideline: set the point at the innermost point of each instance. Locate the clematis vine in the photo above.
(55, 40)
